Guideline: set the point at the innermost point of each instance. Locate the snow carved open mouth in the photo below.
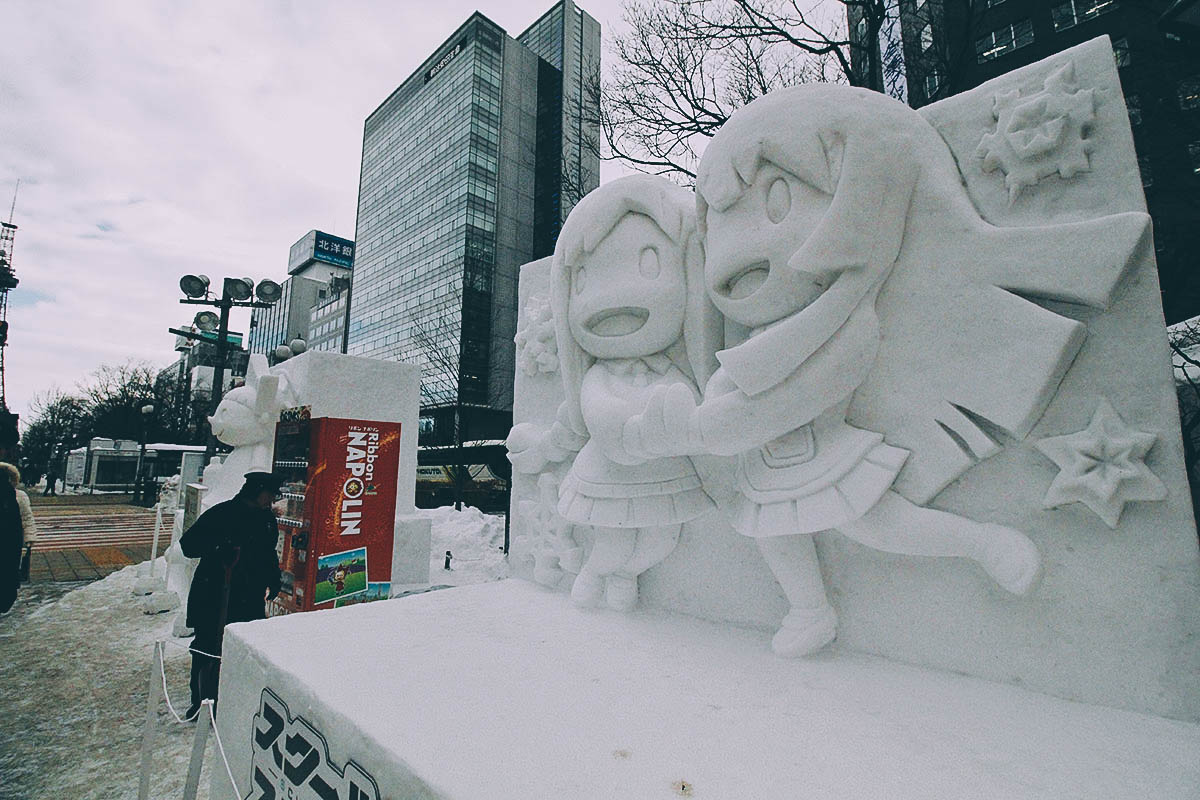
(746, 282)
(618, 321)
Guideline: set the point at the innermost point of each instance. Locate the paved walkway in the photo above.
(83, 538)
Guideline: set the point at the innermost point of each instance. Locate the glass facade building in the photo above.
(462, 182)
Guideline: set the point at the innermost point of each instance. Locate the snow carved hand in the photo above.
(668, 426)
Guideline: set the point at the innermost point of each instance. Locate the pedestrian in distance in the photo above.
(237, 574)
(28, 526)
(51, 481)
(11, 533)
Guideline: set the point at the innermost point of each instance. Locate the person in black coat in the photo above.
(237, 574)
(12, 536)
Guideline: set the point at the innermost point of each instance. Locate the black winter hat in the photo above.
(261, 482)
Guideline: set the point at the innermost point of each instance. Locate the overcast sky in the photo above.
(155, 139)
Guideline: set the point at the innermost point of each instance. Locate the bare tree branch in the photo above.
(683, 66)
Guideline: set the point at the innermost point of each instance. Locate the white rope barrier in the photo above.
(158, 689)
(221, 748)
(190, 649)
(167, 697)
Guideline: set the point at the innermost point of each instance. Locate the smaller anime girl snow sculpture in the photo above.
(619, 293)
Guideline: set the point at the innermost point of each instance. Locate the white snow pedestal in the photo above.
(503, 690)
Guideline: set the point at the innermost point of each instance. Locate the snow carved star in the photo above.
(1102, 466)
(1039, 135)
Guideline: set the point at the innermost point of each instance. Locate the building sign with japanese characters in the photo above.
(320, 246)
(290, 760)
(444, 60)
(333, 250)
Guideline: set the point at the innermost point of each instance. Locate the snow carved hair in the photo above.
(852, 144)
(672, 209)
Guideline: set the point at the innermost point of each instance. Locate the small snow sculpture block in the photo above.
(146, 584)
(1042, 134)
(159, 602)
(1102, 466)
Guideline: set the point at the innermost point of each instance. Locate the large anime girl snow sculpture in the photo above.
(619, 292)
(870, 339)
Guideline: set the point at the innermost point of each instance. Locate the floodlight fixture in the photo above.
(147, 409)
(283, 353)
(268, 291)
(297, 346)
(207, 321)
(239, 289)
(194, 285)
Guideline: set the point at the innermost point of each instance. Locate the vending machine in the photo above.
(339, 492)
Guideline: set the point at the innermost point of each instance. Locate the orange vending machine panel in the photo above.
(339, 491)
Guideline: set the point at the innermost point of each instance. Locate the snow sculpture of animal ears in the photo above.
(672, 209)
(266, 389)
(853, 144)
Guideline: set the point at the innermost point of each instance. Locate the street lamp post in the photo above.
(235, 293)
(139, 487)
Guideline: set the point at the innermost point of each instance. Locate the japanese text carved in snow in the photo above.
(829, 312)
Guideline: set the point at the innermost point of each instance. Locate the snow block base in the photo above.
(410, 550)
(504, 690)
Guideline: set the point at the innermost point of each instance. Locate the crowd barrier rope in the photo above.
(206, 721)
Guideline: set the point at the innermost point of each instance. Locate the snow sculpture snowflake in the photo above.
(537, 351)
(550, 544)
(1102, 466)
(1039, 135)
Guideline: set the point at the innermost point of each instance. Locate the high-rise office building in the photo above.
(950, 46)
(468, 170)
(319, 267)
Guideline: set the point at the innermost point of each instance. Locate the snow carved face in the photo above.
(749, 244)
(628, 295)
(236, 422)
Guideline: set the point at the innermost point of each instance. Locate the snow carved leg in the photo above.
(612, 548)
(651, 547)
(811, 624)
(896, 525)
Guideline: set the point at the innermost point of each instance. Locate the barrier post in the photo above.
(203, 721)
(148, 733)
(158, 523)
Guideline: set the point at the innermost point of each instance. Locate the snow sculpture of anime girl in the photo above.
(619, 292)
(869, 329)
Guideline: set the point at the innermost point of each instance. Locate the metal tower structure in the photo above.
(8, 281)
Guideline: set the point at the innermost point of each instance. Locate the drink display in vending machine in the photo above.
(339, 493)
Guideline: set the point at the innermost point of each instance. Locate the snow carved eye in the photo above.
(580, 280)
(648, 263)
(779, 200)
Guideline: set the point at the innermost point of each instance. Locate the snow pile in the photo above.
(475, 540)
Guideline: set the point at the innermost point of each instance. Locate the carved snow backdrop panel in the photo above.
(919, 358)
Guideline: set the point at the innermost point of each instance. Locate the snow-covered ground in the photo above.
(74, 675)
(75, 672)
